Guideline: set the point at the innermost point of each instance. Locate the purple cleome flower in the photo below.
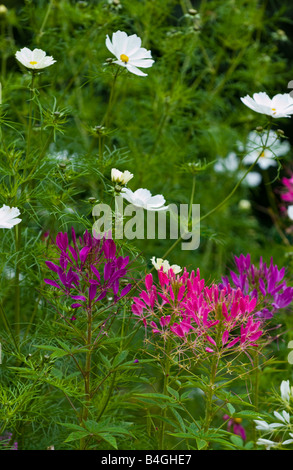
(265, 283)
(88, 269)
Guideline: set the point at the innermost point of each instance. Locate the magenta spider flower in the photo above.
(235, 424)
(88, 269)
(181, 306)
(266, 284)
(288, 194)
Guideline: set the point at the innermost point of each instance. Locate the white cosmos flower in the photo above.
(35, 60)
(290, 212)
(143, 198)
(129, 53)
(8, 216)
(160, 262)
(230, 164)
(274, 148)
(281, 105)
(121, 177)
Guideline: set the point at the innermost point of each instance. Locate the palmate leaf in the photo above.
(99, 431)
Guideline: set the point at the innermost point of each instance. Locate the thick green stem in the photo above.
(210, 394)
(167, 366)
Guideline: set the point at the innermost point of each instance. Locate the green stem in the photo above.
(209, 395)
(87, 373)
(255, 390)
(17, 280)
(167, 366)
(30, 117)
(40, 34)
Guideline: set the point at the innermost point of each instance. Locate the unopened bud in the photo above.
(259, 128)
(192, 11)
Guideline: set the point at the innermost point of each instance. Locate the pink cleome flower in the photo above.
(183, 307)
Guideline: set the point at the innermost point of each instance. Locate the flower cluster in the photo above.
(207, 317)
(265, 284)
(88, 270)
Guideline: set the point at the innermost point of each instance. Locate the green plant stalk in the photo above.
(255, 390)
(30, 117)
(17, 281)
(209, 395)
(167, 366)
(41, 32)
(86, 374)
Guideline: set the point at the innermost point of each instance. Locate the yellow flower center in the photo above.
(124, 58)
(274, 110)
(33, 62)
(262, 154)
(237, 420)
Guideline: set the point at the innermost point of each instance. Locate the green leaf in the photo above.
(174, 393)
(76, 435)
(200, 443)
(236, 440)
(110, 439)
(231, 409)
(120, 358)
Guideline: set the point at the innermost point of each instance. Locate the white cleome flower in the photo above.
(120, 177)
(144, 199)
(8, 216)
(267, 443)
(274, 148)
(286, 390)
(160, 262)
(35, 60)
(281, 105)
(129, 53)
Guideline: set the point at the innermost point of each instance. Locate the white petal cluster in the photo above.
(35, 60)
(9, 216)
(142, 198)
(129, 53)
(273, 148)
(160, 262)
(121, 177)
(281, 105)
